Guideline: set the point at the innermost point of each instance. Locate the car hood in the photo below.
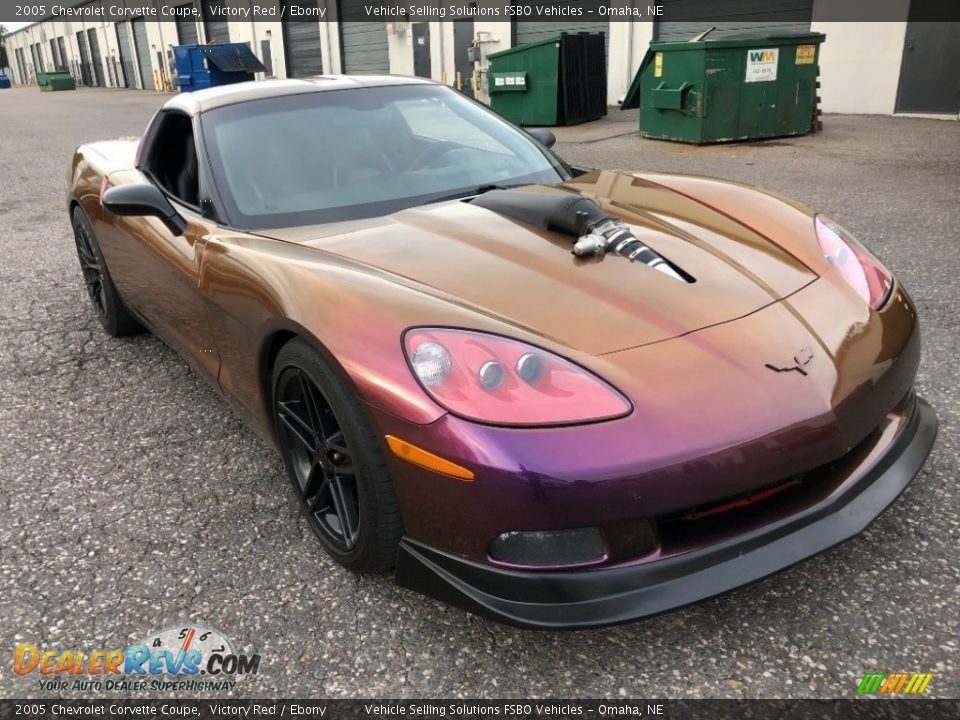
(528, 276)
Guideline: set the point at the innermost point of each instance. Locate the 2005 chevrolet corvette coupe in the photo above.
(557, 397)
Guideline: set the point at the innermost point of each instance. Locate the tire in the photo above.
(334, 461)
(110, 310)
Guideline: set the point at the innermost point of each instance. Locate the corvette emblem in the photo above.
(798, 363)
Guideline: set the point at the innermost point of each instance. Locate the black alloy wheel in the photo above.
(320, 457)
(91, 269)
(111, 312)
(333, 459)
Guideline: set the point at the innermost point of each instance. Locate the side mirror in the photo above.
(143, 199)
(544, 136)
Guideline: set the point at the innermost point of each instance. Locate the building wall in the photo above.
(860, 62)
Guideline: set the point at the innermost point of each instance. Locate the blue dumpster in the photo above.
(203, 66)
(4, 82)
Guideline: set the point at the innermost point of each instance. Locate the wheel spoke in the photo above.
(309, 402)
(336, 444)
(315, 485)
(301, 431)
(87, 261)
(344, 505)
(101, 298)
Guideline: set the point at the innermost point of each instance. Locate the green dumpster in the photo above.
(56, 81)
(561, 80)
(744, 88)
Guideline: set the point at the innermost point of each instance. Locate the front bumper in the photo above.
(593, 598)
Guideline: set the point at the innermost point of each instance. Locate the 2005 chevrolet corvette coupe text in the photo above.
(554, 396)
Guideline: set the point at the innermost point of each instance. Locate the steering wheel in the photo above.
(434, 151)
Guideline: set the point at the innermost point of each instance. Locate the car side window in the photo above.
(172, 158)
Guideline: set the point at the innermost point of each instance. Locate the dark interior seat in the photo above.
(187, 184)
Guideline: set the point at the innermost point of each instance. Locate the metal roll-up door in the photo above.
(64, 58)
(363, 44)
(55, 52)
(301, 43)
(687, 18)
(527, 31)
(94, 43)
(85, 66)
(21, 66)
(41, 61)
(127, 63)
(217, 29)
(187, 28)
(142, 47)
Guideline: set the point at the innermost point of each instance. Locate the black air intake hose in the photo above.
(577, 216)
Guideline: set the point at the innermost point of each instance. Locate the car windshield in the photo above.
(346, 154)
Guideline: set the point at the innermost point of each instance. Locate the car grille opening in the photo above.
(699, 525)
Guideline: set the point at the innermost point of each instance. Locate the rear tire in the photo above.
(108, 306)
(333, 458)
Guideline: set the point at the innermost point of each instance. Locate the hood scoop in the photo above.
(597, 233)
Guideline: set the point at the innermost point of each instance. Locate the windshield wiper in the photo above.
(479, 190)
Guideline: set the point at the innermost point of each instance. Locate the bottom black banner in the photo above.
(865, 709)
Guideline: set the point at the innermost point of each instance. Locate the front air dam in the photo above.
(587, 599)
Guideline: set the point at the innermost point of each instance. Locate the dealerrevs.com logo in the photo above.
(894, 683)
(172, 659)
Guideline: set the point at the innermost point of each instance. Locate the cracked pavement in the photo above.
(133, 499)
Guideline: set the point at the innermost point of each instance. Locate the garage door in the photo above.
(301, 43)
(143, 54)
(527, 31)
(127, 63)
(217, 29)
(363, 44)
(687, 18)
(86, 69)
(187, 30)
(21, 66)
(95, 58)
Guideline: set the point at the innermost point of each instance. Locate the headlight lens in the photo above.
(858, 266)
(496, 380)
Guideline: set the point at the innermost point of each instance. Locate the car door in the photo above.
(157, 272)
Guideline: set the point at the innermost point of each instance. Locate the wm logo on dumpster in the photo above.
(763, 56)
(894, 683)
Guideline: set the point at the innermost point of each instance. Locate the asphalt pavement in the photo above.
(134, 499)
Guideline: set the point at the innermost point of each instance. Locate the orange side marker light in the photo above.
(418, 456)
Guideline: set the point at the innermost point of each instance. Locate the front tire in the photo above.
(333, 458)
(111, 313)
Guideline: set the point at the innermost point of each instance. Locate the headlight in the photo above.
(496, 380)
(858, 266)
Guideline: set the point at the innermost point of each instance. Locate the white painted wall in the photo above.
(628, 44)
(494, 36)
(400, 47)
(859, 62)
(860, 66)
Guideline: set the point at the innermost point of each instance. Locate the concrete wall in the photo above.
(628, 44)
(860, 64)
(860, 61)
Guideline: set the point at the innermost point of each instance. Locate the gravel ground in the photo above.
(134, 499)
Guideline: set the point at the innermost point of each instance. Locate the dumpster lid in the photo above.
(526, 46)
(632, 99)
(741, 38)
(546, 41)
(232, 57)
